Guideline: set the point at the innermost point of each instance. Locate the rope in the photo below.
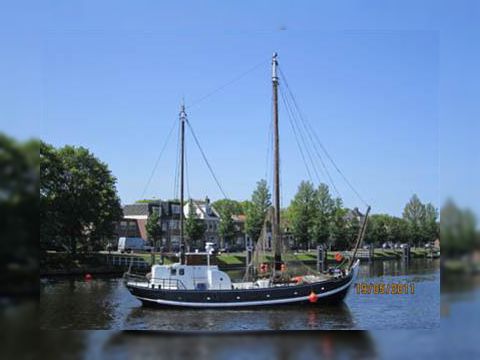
(237, 78)
(167, 139)
(187, 181)
(296, 138)
(303, 128)
(309, 127)
(206, 160)
(177, 167)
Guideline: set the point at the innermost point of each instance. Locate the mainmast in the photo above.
(277, 243)
(183, 118)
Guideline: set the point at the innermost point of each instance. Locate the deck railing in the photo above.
(163, 283)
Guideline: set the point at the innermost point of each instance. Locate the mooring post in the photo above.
(321, 258)
(248, 260)
(406, 252)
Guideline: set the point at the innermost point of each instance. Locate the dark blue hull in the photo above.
(326, 292)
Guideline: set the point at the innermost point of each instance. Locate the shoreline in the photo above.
(61, 265)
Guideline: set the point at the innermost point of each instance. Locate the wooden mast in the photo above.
(277, 244)
(183, 117)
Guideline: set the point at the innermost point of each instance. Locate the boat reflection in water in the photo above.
(289, 318)
(251, 345)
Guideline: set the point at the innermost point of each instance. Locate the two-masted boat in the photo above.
(187, 285)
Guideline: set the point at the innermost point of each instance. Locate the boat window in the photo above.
(173, 272)
(181, 272)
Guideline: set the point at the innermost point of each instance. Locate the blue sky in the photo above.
(390, 87)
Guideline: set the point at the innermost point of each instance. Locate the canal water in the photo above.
(104, 303)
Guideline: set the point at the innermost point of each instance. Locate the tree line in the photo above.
(315, 217)
(79, 207)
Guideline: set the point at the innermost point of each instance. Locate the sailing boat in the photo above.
(186, 285)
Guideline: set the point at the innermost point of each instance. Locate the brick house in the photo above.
(135, 219)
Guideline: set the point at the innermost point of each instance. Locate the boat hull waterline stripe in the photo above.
(253, 303)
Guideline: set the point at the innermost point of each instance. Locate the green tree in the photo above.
(226, 228)
(422, 221)
(234, 206)
(339, 227)
(458, 230)
(414, 214)
(377, 229)
(324, 209)
(398, 230)
(51, 172)
(19, 220)
(302, 212)
(431, 225)
(79, 195)
(194, 227)
(256, 210)
(351, 232)
(154, 228)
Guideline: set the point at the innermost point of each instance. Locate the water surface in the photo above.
(104, 303)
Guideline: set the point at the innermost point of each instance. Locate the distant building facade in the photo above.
(210, 217)
(135, 218)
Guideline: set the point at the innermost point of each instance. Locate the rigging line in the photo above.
(302, 138)
(206, 160)
(304, 127)
(177, 167)
(321, 145)
(296, 138)
(186, 171)
(237, 78)
(167, 139)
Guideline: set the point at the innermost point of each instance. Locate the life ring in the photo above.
(338, 257)
(283, 267)
(263, 267)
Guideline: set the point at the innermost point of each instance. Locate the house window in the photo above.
(176, 209)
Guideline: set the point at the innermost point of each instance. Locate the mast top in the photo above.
(182, 109)
(274, 67)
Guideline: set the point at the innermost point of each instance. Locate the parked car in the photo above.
(403, 246)
(130, 244)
